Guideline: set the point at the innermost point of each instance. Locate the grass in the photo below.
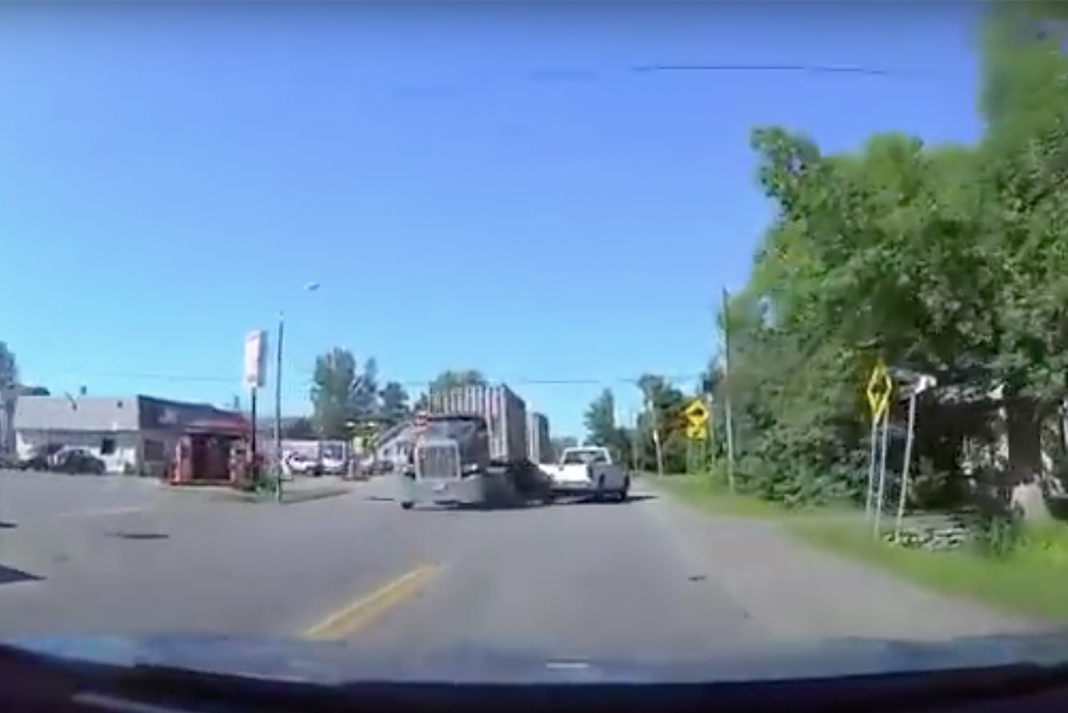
(1032, 581)
(711, 495)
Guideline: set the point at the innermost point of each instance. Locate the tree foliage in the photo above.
(335, 392)
(951, 260)
(451, 379)
(9, 368)
(345, 392)
(662, 413)
(393, 400)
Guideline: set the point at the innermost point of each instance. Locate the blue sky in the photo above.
(171, 176)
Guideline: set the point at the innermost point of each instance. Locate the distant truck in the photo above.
(589, 471)
(470, 448)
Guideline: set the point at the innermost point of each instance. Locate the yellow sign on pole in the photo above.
(880, 386)
(696, 420)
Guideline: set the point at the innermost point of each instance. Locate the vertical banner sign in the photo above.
(255, 371)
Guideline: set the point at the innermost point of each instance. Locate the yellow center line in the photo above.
(365, 610)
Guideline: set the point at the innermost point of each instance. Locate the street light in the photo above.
(279, 353)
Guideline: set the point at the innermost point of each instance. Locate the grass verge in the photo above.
(709, 494)
(1032, 581)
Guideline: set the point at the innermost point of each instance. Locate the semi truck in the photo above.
(469, 447)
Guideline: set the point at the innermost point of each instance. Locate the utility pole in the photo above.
(635, 444)
(728, 416)
(651, 408)
(278, 406)
(278, 359)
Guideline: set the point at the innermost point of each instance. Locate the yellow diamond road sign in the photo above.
(696, 414)
(880, 385)
(696, 433)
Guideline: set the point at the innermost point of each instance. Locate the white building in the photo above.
(130, 434)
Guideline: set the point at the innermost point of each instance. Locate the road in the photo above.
(645, 579)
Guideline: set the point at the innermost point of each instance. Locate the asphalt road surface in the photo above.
(644, 579)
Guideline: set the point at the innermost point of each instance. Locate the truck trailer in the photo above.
(470, 448)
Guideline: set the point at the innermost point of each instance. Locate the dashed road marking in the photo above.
(364, 611)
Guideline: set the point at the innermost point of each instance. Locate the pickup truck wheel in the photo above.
(407, 506)
(624, 492)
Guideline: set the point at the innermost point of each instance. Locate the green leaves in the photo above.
(946, 259)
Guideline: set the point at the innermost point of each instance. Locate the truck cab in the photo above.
(449, 455)
(590, 471)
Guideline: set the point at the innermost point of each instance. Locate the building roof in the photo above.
(109, 413)
(77, 413)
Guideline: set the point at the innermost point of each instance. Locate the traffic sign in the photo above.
(696, 415)
(880, 386)
(696, 433)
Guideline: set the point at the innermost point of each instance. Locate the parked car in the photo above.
(300, 464)
(76, 461)
(41, 459)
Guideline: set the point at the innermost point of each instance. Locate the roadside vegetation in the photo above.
(948, 260)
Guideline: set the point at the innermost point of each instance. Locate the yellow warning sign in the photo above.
(696, 414)
(880, 386)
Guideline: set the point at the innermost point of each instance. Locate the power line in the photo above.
(772, 68)
(407, 383)
(563, 75)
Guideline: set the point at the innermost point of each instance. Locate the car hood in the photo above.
(336, 663)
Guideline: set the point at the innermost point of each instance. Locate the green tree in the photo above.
(334, 380)
(602, 429)
(9, 368)
(364, 400)
(451, 379)
(562, 443)
(949, 260)
(300, 428)
(600, 420)
(662, 413)
(394, 402)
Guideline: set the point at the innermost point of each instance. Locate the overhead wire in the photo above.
(550, 75)
(383, 379)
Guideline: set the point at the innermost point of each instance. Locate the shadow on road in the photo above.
(590, 500)
(139, 536)
(10, 575)
(561, 501)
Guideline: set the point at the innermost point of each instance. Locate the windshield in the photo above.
(458, 429)
(334, 451)
(790, 283)
(585, 457)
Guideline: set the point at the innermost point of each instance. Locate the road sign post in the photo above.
(919, 384)
(878, 391)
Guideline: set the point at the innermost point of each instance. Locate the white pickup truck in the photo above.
(589, 471)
